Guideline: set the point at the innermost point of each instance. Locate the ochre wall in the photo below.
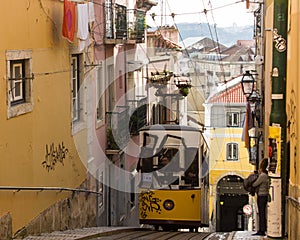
(219, 166)
(293, 114)
(36, 26)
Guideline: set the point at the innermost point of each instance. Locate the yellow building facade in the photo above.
(293, 114)
(229, 158)
(57, 99)
(291, 218)
(38, 154)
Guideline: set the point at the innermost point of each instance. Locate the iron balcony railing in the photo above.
(123, 23)
(125, 121)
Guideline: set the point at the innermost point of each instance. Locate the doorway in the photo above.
(231, 198)
(231, 213)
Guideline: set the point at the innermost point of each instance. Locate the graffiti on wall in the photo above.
(292, 124)
(54, 154)
(149, 203)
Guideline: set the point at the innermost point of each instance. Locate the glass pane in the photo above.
(109, 19)
(74, 70)
(17, 89)
(99, 94)
(18, 73)
(235, 118)
(235, 151)
(140, 25)
(229, 119)
(229, 150)
(121, 22)
(74, 88)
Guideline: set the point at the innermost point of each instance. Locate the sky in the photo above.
(224, 12)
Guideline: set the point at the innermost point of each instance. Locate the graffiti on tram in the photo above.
(149, 203)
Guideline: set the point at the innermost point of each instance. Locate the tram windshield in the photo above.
(172, 165)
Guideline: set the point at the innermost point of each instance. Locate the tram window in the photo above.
(147, 165)
(191, 175)
(169, 161)
(168, 167)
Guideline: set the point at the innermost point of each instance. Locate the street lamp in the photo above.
(247, 84)
(254, 99)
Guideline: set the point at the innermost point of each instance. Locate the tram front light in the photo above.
(168, 204)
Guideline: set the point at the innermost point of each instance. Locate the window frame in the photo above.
(110, 84)
(77, 74)
(230, 149)
(14, 80)
(100, 95)
(75, 95)
(230, 119)
(24, 103)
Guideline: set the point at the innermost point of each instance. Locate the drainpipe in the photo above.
(278, 117)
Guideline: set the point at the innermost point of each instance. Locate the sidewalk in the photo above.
(79, 234)
(235, 235)
(246, 235)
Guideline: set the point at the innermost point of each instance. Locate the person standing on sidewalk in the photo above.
(262, 185)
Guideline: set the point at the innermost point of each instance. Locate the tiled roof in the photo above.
(164, 42)
(231, 92)
(190, 41)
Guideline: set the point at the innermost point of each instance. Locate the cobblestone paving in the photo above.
(247, 235)
(76, 234)
(94, 233)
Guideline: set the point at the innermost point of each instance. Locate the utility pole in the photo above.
(278, 118)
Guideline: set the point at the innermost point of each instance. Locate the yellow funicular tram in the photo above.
(174, 177)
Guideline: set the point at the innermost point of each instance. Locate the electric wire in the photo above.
(187, 53)
(204, 11)
(231, 139)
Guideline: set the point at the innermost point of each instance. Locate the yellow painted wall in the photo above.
(293, 114)
(36, 26)
(219, 166)
(218, 150)
(292, 103)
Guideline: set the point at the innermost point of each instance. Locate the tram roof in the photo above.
(173, 127)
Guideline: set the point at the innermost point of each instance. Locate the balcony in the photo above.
(123, 25)
(117, 129)
(125, 122)
(138, 117)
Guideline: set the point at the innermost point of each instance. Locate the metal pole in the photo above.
(278, 111)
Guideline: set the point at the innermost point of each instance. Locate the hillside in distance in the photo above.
(227, 36)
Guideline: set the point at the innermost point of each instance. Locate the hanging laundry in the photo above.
(86, 15)
(91, 12)
(82, 21)
(68, 26)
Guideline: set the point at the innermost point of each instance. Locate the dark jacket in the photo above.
(248, 183)
(262, 184)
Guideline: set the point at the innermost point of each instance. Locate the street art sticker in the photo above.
(149, 203)
(54, 154)
(280, 42)
(274, 205)
(274, 150)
